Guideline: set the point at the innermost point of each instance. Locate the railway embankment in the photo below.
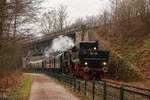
(130, 57)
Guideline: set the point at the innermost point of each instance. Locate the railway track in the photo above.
(113, 90)
(127, 85)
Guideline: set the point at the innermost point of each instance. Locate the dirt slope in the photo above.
(135, 50)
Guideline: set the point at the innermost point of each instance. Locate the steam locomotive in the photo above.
(85, 60)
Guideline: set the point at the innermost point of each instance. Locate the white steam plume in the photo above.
(59, 45)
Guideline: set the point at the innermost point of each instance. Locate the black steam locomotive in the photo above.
(85, 60)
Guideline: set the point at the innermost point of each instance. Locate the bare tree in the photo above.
(49, 22)
(13, 14)
(79, 22)
(130, 17)
(54, 20)
(91, 20)
(24, 12)
(62, 16)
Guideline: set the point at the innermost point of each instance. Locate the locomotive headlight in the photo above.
(95, 48)
(104, 63)
(86, 63)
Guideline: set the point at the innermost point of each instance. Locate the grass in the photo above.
(21, 90)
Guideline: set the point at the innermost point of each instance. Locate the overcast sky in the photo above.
(79, 8)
